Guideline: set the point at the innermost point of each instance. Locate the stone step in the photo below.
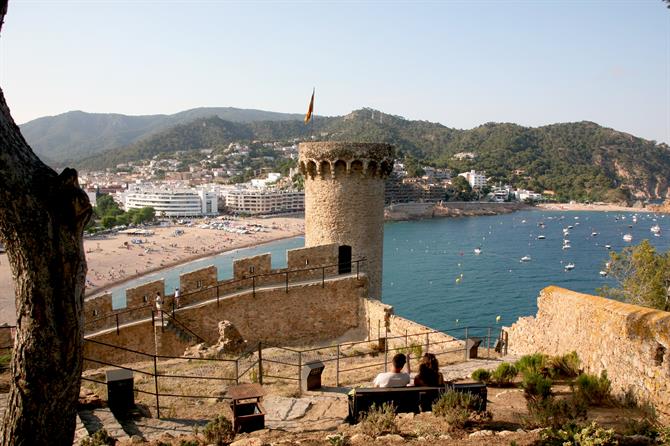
(80, 432)
(103, 418)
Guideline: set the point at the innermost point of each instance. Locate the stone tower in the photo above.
(344, 200)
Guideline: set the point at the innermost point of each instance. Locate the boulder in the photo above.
(230, 341)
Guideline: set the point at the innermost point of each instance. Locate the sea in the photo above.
(433, 275)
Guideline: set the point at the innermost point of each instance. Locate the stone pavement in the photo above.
(315, 411)
(463, 370)
(102, 418)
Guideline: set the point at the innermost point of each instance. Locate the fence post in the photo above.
(260, 364)
(406, 345)
(287, 281)
(488, 343)
(337, 367)
(218, 294)
(237, 371)
(465, 341)
(117, 324)
(299, 372)
(158, 407)
(323, 277)
(427, 341)
(386, 349)
(253, 285)
(162, 322)
(357, 263)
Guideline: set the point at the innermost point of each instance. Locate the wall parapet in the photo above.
(631, 342)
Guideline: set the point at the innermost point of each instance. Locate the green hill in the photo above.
(77, 134)
(580, 160)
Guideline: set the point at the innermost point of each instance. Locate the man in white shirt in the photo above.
(396, 378)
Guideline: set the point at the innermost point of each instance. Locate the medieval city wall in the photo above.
(631, 342)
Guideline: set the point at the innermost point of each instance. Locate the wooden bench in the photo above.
(407, 399)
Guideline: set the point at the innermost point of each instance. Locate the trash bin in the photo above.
(311, 375)
(472, 345)
(248, 414)
(120, 395)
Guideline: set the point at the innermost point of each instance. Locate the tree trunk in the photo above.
(42, 217)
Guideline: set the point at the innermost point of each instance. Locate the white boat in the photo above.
(627, 238)
(634, 218)
(570, 226)
(594, 234)
(603, 273)
(566, 241)
(567, 246)
(566, 231)
(541, 237)
(478, 251)
(608, 246)
(569, 267)
(656, 229)
(525, 259)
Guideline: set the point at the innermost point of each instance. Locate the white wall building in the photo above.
(173, 202)
(263, 201)
(476, 180)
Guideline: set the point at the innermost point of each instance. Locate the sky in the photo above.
(460, 63)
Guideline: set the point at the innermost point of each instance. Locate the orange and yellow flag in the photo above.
(308, 116)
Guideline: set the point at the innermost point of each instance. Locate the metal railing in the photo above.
(253, 283)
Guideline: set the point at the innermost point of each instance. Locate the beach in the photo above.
(119, 257)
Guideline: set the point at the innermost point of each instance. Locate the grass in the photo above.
(594, 390)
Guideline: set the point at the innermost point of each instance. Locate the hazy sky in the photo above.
(461, 63)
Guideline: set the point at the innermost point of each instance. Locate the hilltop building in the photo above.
(476, 180)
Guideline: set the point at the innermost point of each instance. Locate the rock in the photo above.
(504, 433)
(484, 433)
(230, 339)
(405, 416)
(248, 442)
(136, 439)
(360, 439)
(391, 438)
(88, 399)
(196, 351)
(445, 437)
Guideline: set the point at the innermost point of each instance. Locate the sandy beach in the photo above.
(115, 258)
(604, 207)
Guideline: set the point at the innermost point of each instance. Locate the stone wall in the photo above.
(631, 342)
(252, 266)
(96, 308)
(197, 285)
(314, 256)
(144, 294)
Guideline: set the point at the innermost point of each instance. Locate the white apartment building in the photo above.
(173, 202)
(476, 180)
(263, 201)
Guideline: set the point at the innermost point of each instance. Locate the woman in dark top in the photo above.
(429, 372)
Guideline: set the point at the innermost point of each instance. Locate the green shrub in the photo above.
(219, 431)
(553, 412)
(565, 366)
(534, 363)
(503, 374)
(414, 349)
(481, 375)
(100, 438)
(574, 434)
(456, 407)
(338, 439)
(536, 387)
(592, 389)
(379, 421)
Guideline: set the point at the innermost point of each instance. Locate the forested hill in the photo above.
(580, 160)
(76, 134)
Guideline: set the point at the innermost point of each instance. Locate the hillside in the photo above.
(77, 134)
(580, 160)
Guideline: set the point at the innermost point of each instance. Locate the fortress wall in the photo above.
(94, 309)
(380, 318)
(144, 294)
(191, 283)
(252, 266)
(307, 312)
(631, 342)
(302, 258)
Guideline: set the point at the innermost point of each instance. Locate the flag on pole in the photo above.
(308, 116)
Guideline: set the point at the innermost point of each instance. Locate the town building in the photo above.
(263, 201)
(172, 202)
(476, 180)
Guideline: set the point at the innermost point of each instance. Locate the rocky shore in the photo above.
(418, 211)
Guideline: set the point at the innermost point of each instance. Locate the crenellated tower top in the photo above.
(334, 159)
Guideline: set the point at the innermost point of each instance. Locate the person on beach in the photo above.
(176, 297)
(429, 372)
(396, 378)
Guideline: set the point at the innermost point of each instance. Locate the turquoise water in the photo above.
(424, 259)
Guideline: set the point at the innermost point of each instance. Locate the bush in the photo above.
(219, 431)
(503, 374)
(100, 438)
(481, 375)
(566, 366)
(554, 412)
(379, 421)
(573, 434)
(534, 363)
(536, 387)
(456, 407)
(593, 390)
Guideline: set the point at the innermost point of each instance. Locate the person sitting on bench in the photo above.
(396, 378)
(429, 372)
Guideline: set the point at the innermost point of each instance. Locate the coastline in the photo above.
(421, 211)
(598, 207)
